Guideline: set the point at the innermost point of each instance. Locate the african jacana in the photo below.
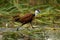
(27, 18)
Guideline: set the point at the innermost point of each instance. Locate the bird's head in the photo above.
(37, 12)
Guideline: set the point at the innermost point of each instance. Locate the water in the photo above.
(52, 35)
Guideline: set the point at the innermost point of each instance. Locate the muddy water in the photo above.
(51, 34)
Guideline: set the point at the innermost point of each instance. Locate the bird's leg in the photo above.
(19, 27)
(31, 25)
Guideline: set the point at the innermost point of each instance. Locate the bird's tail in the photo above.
(16, 18)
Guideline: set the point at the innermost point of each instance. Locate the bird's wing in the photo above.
(26, 18)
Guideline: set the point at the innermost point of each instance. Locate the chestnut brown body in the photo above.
(25, 19)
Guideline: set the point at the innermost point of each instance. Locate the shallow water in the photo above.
(50, 34)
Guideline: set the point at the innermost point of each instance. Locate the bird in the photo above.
(27, 18)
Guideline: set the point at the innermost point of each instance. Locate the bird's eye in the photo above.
(38, 11)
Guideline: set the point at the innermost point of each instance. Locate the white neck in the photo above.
(36, 12)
